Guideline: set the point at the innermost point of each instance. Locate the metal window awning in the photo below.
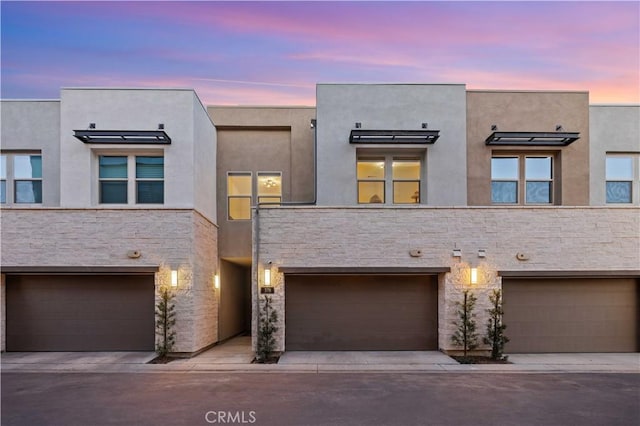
(394, 136)
(123, 136)
(532, 138)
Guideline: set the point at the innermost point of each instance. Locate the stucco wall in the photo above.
(261, 139)
(205, 161)
(391, 107)
(170, 239)
(614, 129)
(517, 111)
(35, 125)
(554, 239)
(126, 109)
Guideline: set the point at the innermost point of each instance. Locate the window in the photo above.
(21, 178)
(406, 181)
(269, 187)
(621, 173)
(380, 175)
(149, 180)
(114, 183)
(371, 183)
(239, 195)
(507, 173)
(3, 179)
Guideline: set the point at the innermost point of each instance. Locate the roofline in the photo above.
(525, 91)
(615, 105)
(29, 100)
(264, 106)
(390, 84)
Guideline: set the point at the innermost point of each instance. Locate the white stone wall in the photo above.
(168, 238)
(553, 238)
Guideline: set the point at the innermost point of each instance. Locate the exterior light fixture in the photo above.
(313, 123)
(456, 252)
(482, 253)
(267, 277)
(92, 125)
(358, 125)
(474, 275)
(216, 281)
(160, 126)
(174, 278)
(425, 125)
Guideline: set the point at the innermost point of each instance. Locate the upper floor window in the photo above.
(21, 178)
(269, 187)
(239, 195)
(375, 180)
(622, 178)
(240, 190)
(116, 186)
(371, 181)
(515, 175)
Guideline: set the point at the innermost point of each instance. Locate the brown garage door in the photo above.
(80, 313)
(346, 312)
(571, 315)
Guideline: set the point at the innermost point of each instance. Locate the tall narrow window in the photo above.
(269, 187)
(619, 176)
(3, 179)
(113, 179)
(504, 180)
(149, 180)
(239, 195)
(27, 173)
(406, 181)
(371, 174)
(538, 172)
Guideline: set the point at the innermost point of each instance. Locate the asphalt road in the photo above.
(320, 399)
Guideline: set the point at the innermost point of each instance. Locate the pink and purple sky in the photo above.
(275, 52)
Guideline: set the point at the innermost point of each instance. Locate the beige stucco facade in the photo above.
(517, 111)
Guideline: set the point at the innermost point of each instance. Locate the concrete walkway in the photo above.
(236, 355)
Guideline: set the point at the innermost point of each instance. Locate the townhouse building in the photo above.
(363, 219)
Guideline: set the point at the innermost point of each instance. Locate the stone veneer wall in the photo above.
(169, 238)
(554, 239)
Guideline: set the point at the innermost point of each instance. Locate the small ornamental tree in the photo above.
(495, 327)
(266, 329)
(465, 334)
(165, 320)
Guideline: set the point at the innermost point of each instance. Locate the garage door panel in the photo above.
(80, 313)
(360, 313)
(571, 315)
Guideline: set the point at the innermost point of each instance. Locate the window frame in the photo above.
(634, 180)
(389, 158)
(10, 180)
(258, 196)
(522, 180)
(372, 159)
(131, 179)
(244, 196)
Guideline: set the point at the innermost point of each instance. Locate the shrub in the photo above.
(266, 329)
(465, 334)
(495, 327)
(165, 320)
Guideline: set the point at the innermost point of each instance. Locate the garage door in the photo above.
(571, 315)
(80, 313)
(346, 312)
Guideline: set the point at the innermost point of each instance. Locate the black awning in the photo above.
(367, 136)
(123, 136)
(532, 138)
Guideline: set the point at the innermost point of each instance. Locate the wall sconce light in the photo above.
(313, 123)
(174, 278)
(482, 253)
(267, 277)
(456, 252)
(216, 281)
(473, 275)
(358, 124)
